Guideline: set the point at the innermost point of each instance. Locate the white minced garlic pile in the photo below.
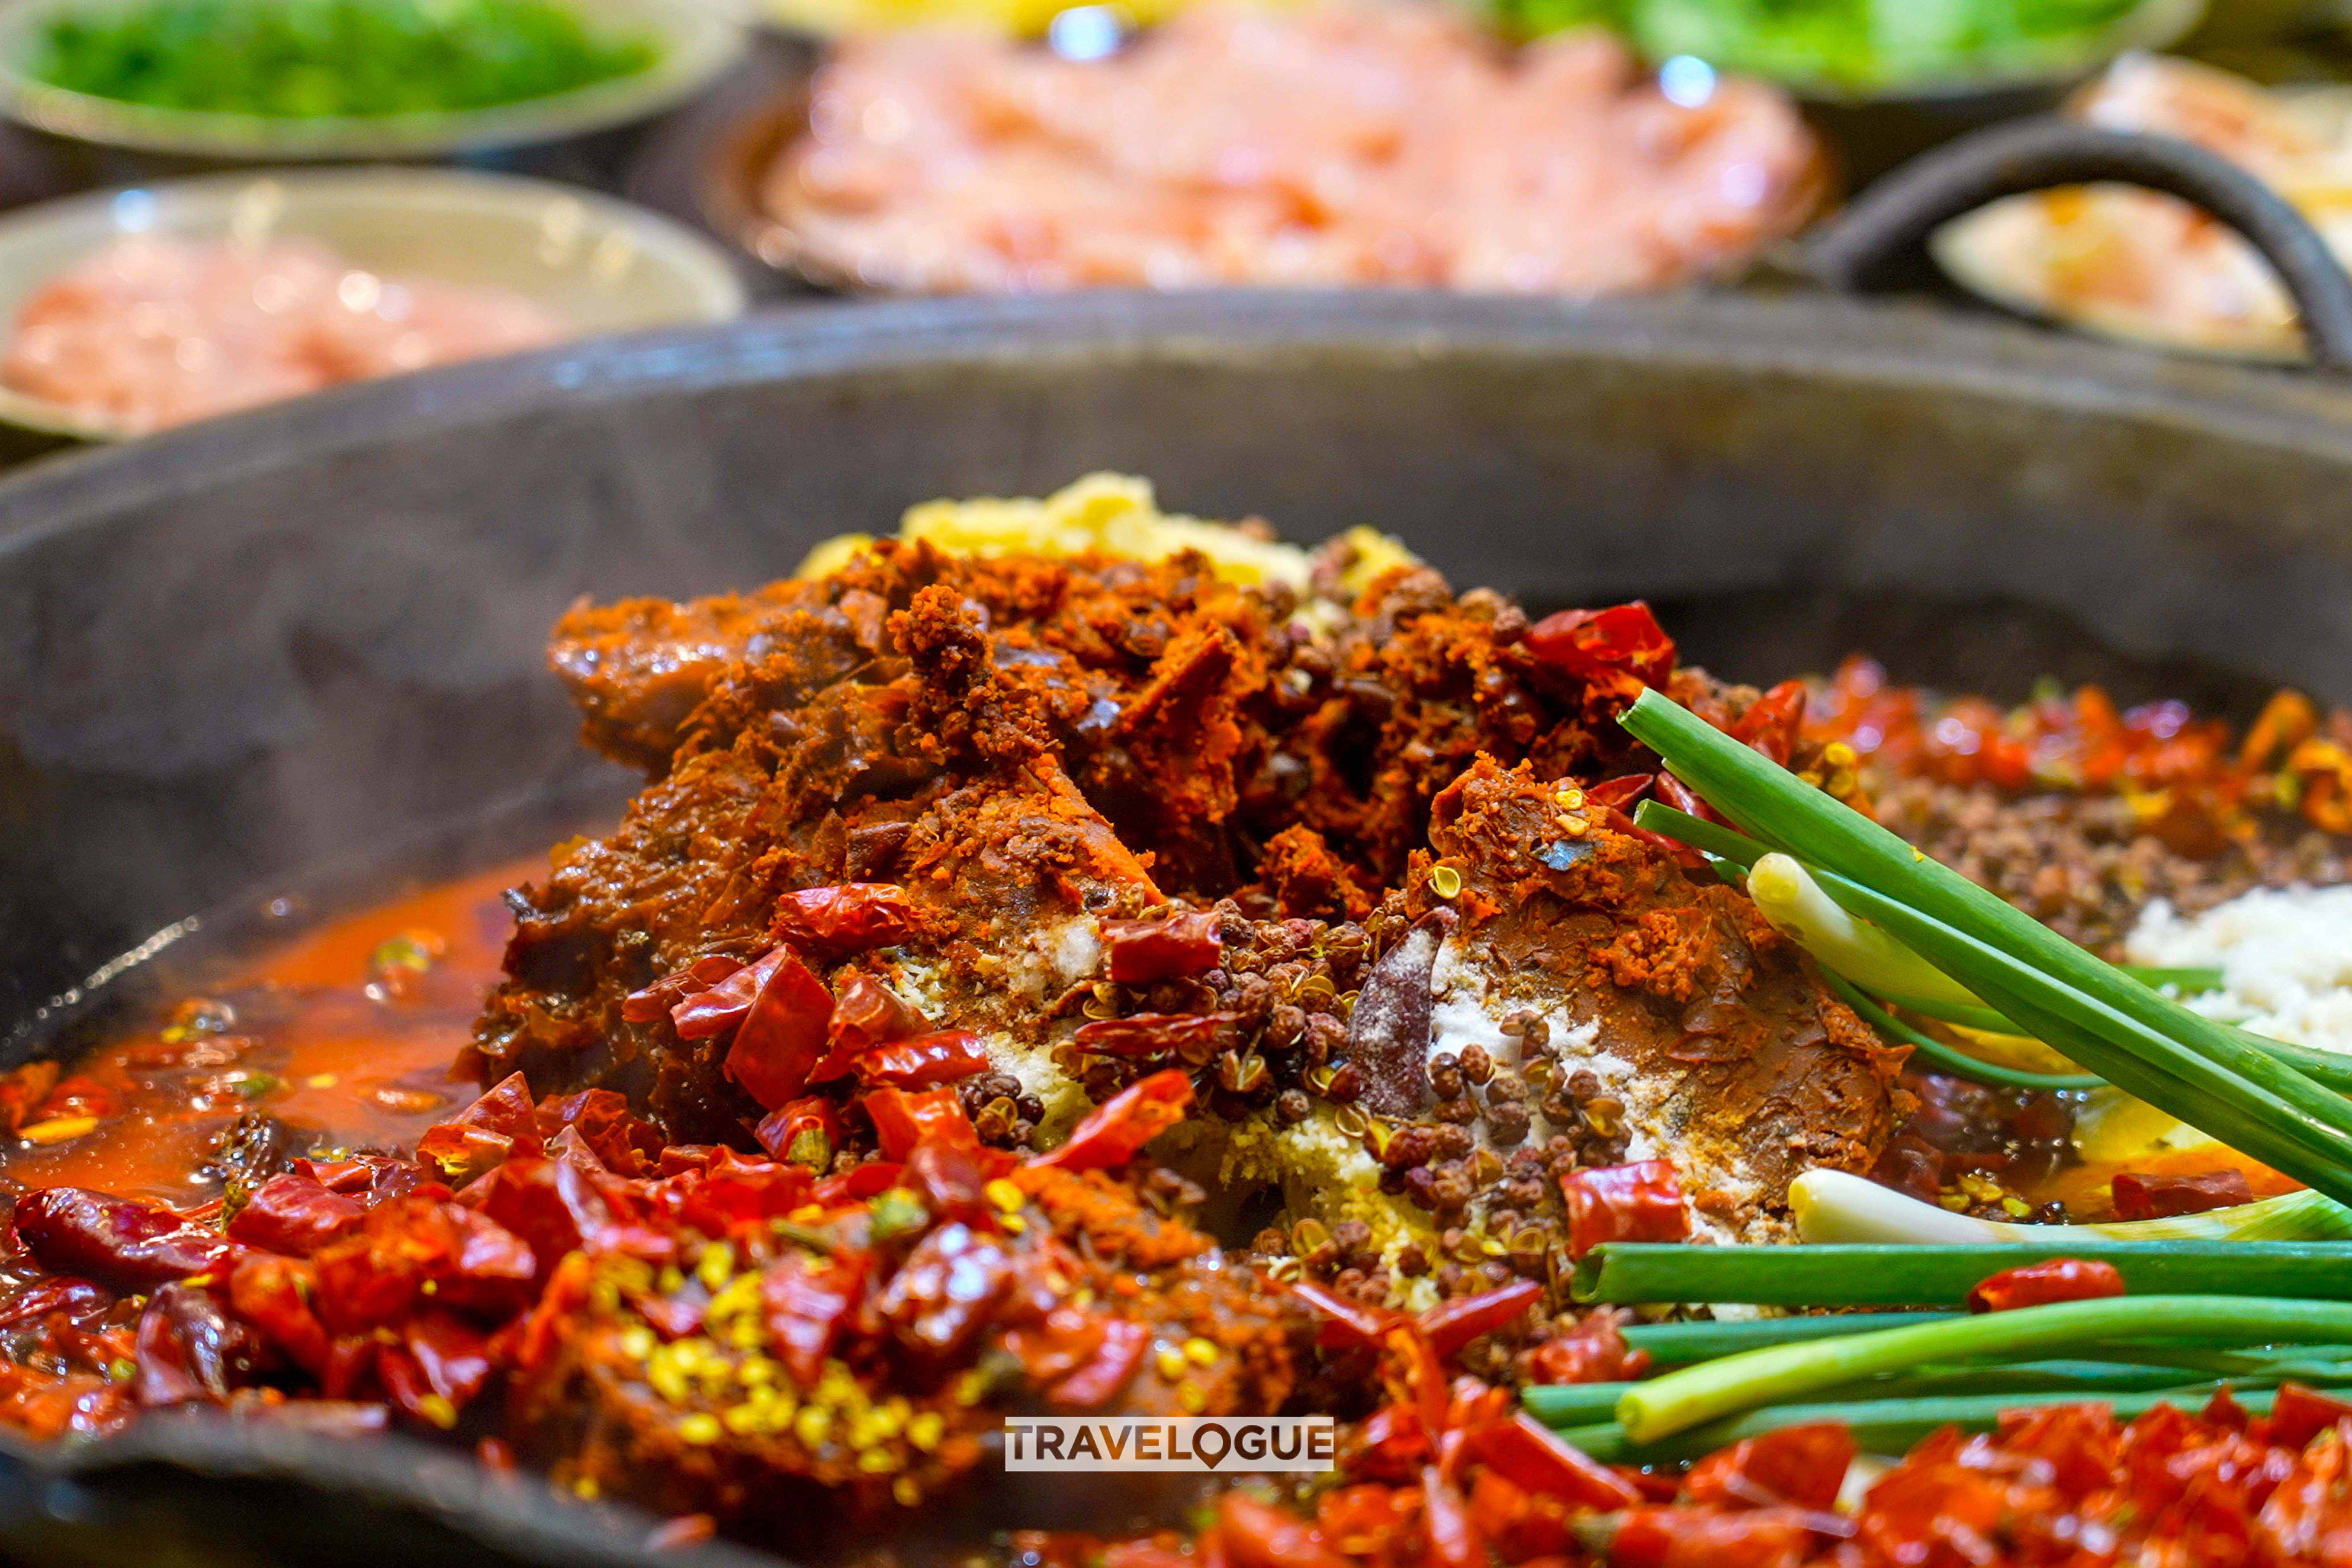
(2286, 958)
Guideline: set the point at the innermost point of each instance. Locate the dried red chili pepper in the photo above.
(1697, 1538)
(949, 1055)
(1345, 1323)
(273, 1294)
(1771, 722)
(453, 1356)
(501, 1124)
(550, 1206)
(904, 1120)
(1454, 1538)
(1388, 1030)
(1529, 1454)
(803, 1131)
(2141, 1197)
(1142, 952)
(24, 1088)
(1673, 791)
(1640, 1201)
(1621, 649)
(1620, 791)
(34, 1301)
(1099, 1381)
(1117, 1129)
(295, 1214)
(865, 1014)
(1453, 1323)
(782, 1032)
(851, 918)
(602, 1119)
(125, 1245)
(1796, 1466)
(1593, 1352)
(189, 1349)
(2039, 1284)
(868, 1180)
(1192, 1036)
(945, 1291)
(375, 1278)
(2298, 1415)
(723, 1006)
(1255, 1535)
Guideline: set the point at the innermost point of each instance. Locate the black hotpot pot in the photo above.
(253, 664)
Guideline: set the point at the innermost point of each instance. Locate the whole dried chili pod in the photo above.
(851, 918)
(1189, 1036)
(125, 1245)
(1388, 1033)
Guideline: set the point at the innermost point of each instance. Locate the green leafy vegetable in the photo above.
(312, 58)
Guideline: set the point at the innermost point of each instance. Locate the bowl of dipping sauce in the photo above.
(276, 80)
(127, 311)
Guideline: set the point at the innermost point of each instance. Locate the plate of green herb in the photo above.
(1864, 49)
(341, 78)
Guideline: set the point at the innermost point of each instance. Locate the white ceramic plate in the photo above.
(697, 39)
(596, 264)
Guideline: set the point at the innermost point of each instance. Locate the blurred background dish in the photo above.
(276, 80)
(2147, 267)
(1321, 147)
(1865, 48)
(372, 270)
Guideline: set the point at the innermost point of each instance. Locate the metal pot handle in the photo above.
(1880, 240)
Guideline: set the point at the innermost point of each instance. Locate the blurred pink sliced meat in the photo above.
(1388, 145)
(151, 333)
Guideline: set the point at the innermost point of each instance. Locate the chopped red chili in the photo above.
(865, 1014)
(1690, 1537)
(807, 1301)
(1453, 1323)
(1098, 1382)
(852, 918)
(1796, 1466)
(1182, 944)
(1529, 1454)
(782, 1034)
(947, 1057)
(1193, 1037)
(1621, 649)
(1117, 1129)
(295, 1214)
(1640, 1202)
(803, 1131)
(904, 1119)
(2040, 1284)
(2139, 1197)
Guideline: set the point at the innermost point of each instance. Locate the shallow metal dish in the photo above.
(313, 634)
(595, 264)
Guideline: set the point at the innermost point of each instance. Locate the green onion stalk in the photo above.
(1783, 1373)
(1931, 1275)
(2113, 1025)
